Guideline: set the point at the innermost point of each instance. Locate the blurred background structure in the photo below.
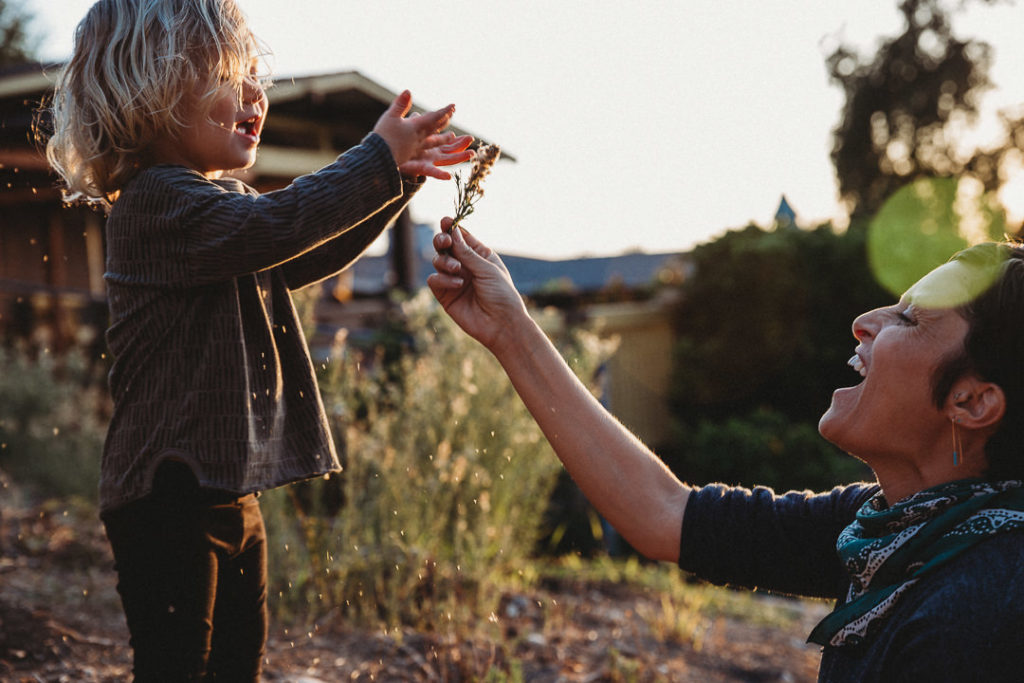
(700, 197)
(726, 351)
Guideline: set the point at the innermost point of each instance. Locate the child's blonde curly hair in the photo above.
(139, 69)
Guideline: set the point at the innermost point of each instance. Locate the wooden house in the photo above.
(51, 255)
(52, 262)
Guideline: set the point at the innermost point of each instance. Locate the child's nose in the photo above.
(253, 91)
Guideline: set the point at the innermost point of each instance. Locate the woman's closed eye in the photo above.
(907, 316)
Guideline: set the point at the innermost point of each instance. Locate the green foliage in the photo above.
(905, 109)
(52, 422)
(446, 479)
(766, 321)
(765, 448)
(763, 339)
(684, 610)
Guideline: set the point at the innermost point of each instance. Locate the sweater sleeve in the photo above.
(757, 539)
(175, 227)
(339, 252)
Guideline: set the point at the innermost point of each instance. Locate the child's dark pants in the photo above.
(192, 567)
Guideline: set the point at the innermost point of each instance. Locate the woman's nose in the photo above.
(865, 325)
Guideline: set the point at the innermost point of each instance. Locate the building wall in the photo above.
(51, 272)
(638, 373)
(635, 378)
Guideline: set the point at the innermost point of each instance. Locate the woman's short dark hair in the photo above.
(993, 350)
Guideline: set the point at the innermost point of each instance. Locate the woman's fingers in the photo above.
(476, 245)
(459, 250)
(443, 263)
(443, 281)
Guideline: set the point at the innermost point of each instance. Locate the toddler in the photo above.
(215, 397)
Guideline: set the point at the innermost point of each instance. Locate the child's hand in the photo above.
(417, 143)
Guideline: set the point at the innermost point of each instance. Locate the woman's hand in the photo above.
(630, 486)
(475, 288)
(417, 143)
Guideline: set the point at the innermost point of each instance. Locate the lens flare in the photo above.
(924, 223)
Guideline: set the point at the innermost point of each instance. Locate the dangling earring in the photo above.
(958, 446)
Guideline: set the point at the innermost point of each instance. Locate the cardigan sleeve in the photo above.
(341, 251)
(757, 539)
(174, 227)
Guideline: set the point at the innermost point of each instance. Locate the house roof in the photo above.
(314, 117)
(363, 100)
(371, 275)
(631, 271)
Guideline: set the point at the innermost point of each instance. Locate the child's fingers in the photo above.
(418, 167)
(435, 121)
(459, 144)
(440, 156)
(448, 142)
(433, 172)
(401, 104)
(452, 159)
(438, 140)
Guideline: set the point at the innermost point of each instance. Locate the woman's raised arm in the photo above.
(627, 483)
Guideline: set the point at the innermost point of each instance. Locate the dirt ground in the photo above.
(60, 620)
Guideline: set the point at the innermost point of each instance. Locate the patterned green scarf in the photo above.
(886, 550)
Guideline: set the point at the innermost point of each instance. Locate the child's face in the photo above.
(224, 138)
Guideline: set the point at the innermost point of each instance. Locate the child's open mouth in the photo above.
(249, 128)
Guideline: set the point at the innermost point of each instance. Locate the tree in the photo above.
(902, 108)
(763, 331)
(765, 321)
(16, 44)
(764, 325)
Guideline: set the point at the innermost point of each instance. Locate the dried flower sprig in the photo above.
(471, 192)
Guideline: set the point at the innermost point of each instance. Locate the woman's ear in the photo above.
(976, 404)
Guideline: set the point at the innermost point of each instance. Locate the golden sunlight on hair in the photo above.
(135, 68)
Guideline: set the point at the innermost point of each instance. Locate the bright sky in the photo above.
(650, 125)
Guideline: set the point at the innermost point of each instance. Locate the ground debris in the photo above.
(61, 620)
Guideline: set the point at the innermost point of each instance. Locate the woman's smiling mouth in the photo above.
(858, 365)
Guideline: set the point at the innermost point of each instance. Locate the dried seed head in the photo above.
(471, 191)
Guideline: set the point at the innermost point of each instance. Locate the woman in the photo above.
(927, 565)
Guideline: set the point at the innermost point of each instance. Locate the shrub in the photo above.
(764, 448)
(53, 414)
(446, 478)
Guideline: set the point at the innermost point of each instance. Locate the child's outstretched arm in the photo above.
(338, 253)
(417, 142)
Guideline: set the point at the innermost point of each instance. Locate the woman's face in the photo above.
(890, 413)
